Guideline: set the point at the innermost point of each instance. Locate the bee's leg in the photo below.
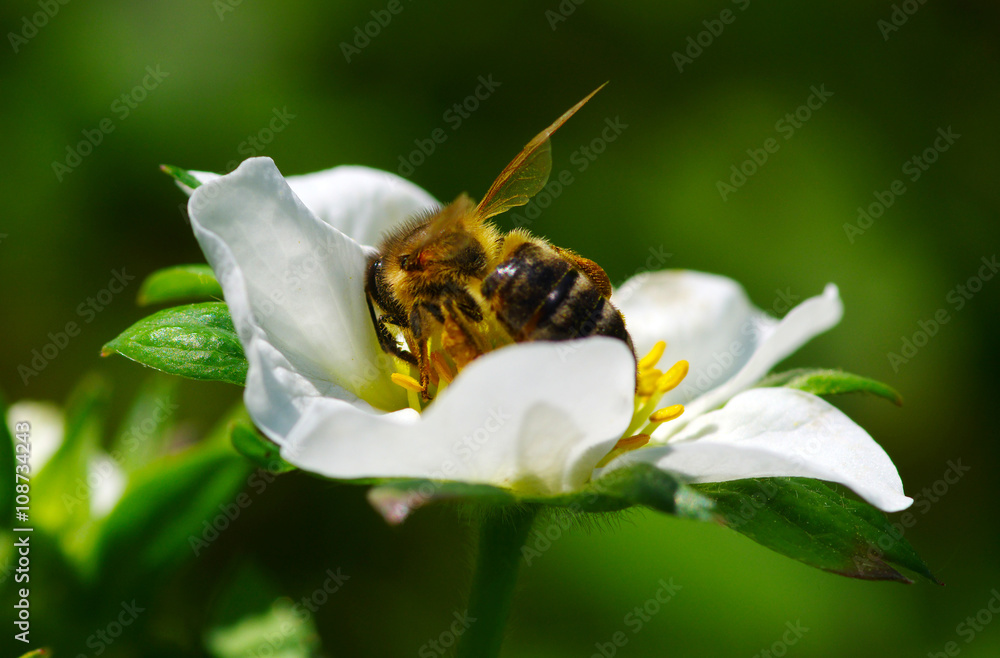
(385, 339)
(422, 319)
(461, 340)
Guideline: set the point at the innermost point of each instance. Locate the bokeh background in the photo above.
(226, 67)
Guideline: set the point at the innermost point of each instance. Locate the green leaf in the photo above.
(61, 492)
(257, 448)
(180, 282)
(182, 176)
(287, 630)
(168, 513)
(8, 464)
(642, 484)
(196, 341)
(831, 382)
(808, 521)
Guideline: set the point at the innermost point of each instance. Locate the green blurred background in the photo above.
(226, 67)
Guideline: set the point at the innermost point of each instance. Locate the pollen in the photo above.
(651, 386)
(672, 378)
(407, 382)
(442, 368)
(624, 445)
(667, 413)
(649, 361)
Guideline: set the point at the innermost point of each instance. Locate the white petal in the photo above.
(705, 319)
(107, 481)
(293, 283)
(813, 316)
(360, 202)
(779, 432)
(533, 416)
(47, 428)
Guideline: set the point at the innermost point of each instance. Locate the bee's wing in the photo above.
(527, 174)
(445, 220)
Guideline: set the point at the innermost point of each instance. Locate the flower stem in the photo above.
(501, 536)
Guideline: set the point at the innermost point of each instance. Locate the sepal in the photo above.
(810, 522)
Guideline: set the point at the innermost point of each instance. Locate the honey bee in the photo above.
(450, 282)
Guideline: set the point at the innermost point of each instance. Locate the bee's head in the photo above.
(447, 246)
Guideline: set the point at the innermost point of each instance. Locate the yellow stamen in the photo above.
(673, 377)
(667, 413)
(647, 382)
(632, 442)
(407, 382)
(624, 445)
(649, 361)
(442, 368)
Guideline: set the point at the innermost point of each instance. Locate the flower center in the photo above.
(651, 386)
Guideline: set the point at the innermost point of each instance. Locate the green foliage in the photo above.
(813, 523)
(143, 433)
(256, 447)
(61, 493)
(178, 283)
(285, 631)
(197, 341)
(182, 176)
(163, 508)
(7, 465)
(641, 484)
(820, 381)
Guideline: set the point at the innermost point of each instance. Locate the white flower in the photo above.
(533, 417)
(105, 480)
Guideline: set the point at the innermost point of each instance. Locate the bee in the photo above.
(454, 286)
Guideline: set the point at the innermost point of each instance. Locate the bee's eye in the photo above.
(404, 260)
